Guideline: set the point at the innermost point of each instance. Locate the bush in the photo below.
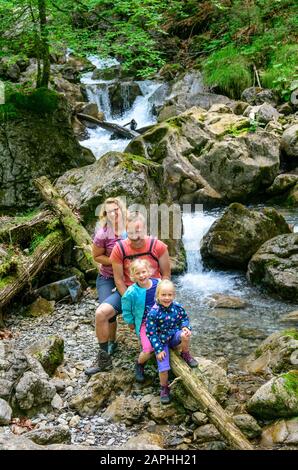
(41, 101)
(228, 71)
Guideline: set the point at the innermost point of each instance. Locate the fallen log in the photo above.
(110, 126)
(29, 266)
(208, 405)
(22, 229)
(71, 223)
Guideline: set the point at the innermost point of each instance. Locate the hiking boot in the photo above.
(112, 348)
(139, 373)
(165, 395)
(103, 363)
(189, 359)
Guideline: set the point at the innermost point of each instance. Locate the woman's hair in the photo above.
(139, 264)
(164, 283)
(103, 218)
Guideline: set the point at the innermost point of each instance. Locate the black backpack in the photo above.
(137, 255)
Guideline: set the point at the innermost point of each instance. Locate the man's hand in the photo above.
(186, 332)
(131, 327)
(160, 356)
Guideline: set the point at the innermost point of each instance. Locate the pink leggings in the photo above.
(146, 345)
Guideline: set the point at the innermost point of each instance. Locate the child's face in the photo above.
(166, 296)
(142, 276)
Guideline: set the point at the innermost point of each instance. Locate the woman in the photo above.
(112, 219)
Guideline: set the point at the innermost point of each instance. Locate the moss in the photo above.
(292, 333)
(291, 381)
(5, 281)
(9, 266)
(35, 242)
(40, 101)
(156, 134)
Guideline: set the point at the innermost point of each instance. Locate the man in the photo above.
(138, 244)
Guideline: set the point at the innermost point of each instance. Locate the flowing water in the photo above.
(216, 331)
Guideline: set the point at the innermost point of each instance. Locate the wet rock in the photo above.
(206, 433)
(239, 233)
(41, 307)
(289, 142)
(275, 354)
(5, 413)
(256, 96)
(248, 425)
(277, 398)
(225, 301)
(53, 435)
(282, 432)
(275, 266)
(109, 73)
(122, 96)
(60, 289)
(49, 352)
(170, 414)
(33, 391)
(100, 389)
(125, 409)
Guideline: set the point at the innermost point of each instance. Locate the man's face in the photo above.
(136, 231)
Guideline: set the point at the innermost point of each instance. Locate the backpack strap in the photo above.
(137, 255)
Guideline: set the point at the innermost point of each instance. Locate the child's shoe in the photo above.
(165, 395)
(189, 359)
(139, 373)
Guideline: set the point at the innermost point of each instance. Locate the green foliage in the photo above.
(40, 101)
(228, 71)
(36, 241)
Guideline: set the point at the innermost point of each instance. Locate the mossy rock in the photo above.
(49, 352)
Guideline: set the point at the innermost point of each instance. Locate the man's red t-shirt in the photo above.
(158, 249)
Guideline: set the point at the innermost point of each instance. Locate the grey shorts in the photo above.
(105, 286)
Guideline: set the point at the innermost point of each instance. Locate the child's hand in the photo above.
(186, 331)
(160, 356)
(131, 327)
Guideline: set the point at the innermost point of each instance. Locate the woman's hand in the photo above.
(186, 332)
(131, 327)
(160, 356)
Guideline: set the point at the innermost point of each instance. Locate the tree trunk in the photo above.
(72, 226)
(29, 267)
(45, 49)
(208, 405)
(110, 126)
(21, 230)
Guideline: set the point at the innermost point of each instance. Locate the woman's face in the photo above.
(166, 296)
(114, 214)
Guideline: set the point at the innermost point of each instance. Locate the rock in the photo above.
(125, 409)
(282, 183)
(41, 307)
(239, 233)
(61, 289)
(57, 402)
(75, 420)
(213, 377)
(277, 398)
(199, 418)
(248, 425)
(206, 433)
(256, 96)
(32, 145)
(289, 142)
(33, 391)
(214, 150)
(100, 389)
(225, 301)
(5, 413)
(275, 266)
(282, 432)
(5, 388)
(276, 354)
(49, 352)
(144, 439)
(285, 109)
(290, 317)
(71, 91)
(292, 199)
(263, 113)
(122, 96)
(53, 435)
(109, 73)
(169, 414)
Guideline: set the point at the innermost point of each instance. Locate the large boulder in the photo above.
(239, 233)
(278, 353)
(210, 157)
(277, 398)
(283, 431)
(257, 96)
(289, 142)
(33, 391)
(275, 266)
(122, 96)
(125, 409)
(33, 144)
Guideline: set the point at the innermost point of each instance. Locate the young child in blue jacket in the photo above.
(137, 301)
(167, 326)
